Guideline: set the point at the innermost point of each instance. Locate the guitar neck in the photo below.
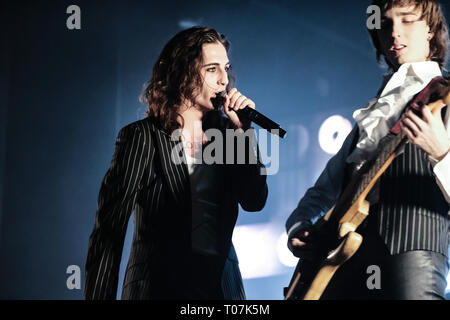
(366, 177)
(389, 148)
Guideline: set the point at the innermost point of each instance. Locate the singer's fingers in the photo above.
(233, 100)
(227, 106)
(247, 103)
(240, 102)
(232, 115)
(231, 92)
(226, 103)
(228, 97)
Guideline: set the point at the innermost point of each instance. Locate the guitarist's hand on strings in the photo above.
(301, 245)
(427, 133)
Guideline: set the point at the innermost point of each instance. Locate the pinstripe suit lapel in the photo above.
(173, 165)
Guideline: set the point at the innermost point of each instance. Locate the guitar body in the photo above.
(311, 277)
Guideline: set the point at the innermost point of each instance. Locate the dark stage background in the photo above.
(64, 95)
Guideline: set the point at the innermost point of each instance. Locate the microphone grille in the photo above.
(219, 100)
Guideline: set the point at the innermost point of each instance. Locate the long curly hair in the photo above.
(433, 15)
(176, 74)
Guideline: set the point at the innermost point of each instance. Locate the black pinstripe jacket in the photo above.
(143, 179)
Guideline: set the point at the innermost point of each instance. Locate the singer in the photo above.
(184, 213)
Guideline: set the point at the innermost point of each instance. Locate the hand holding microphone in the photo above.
(234, 101)
(241, 111)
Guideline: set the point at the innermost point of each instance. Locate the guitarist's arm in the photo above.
(433, 136)
(320, 198)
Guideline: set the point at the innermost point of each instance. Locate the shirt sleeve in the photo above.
(442, 173)
(441, 169)
(322, 196)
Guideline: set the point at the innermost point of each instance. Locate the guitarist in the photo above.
(406, 234)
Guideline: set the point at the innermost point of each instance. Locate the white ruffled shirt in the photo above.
(382, 113)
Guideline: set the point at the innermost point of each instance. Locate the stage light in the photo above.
(186, 24)
(256, 250)
(333, 132)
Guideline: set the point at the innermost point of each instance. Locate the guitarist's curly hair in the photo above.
(432, 13)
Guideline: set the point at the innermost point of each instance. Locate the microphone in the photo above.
(254, 116)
